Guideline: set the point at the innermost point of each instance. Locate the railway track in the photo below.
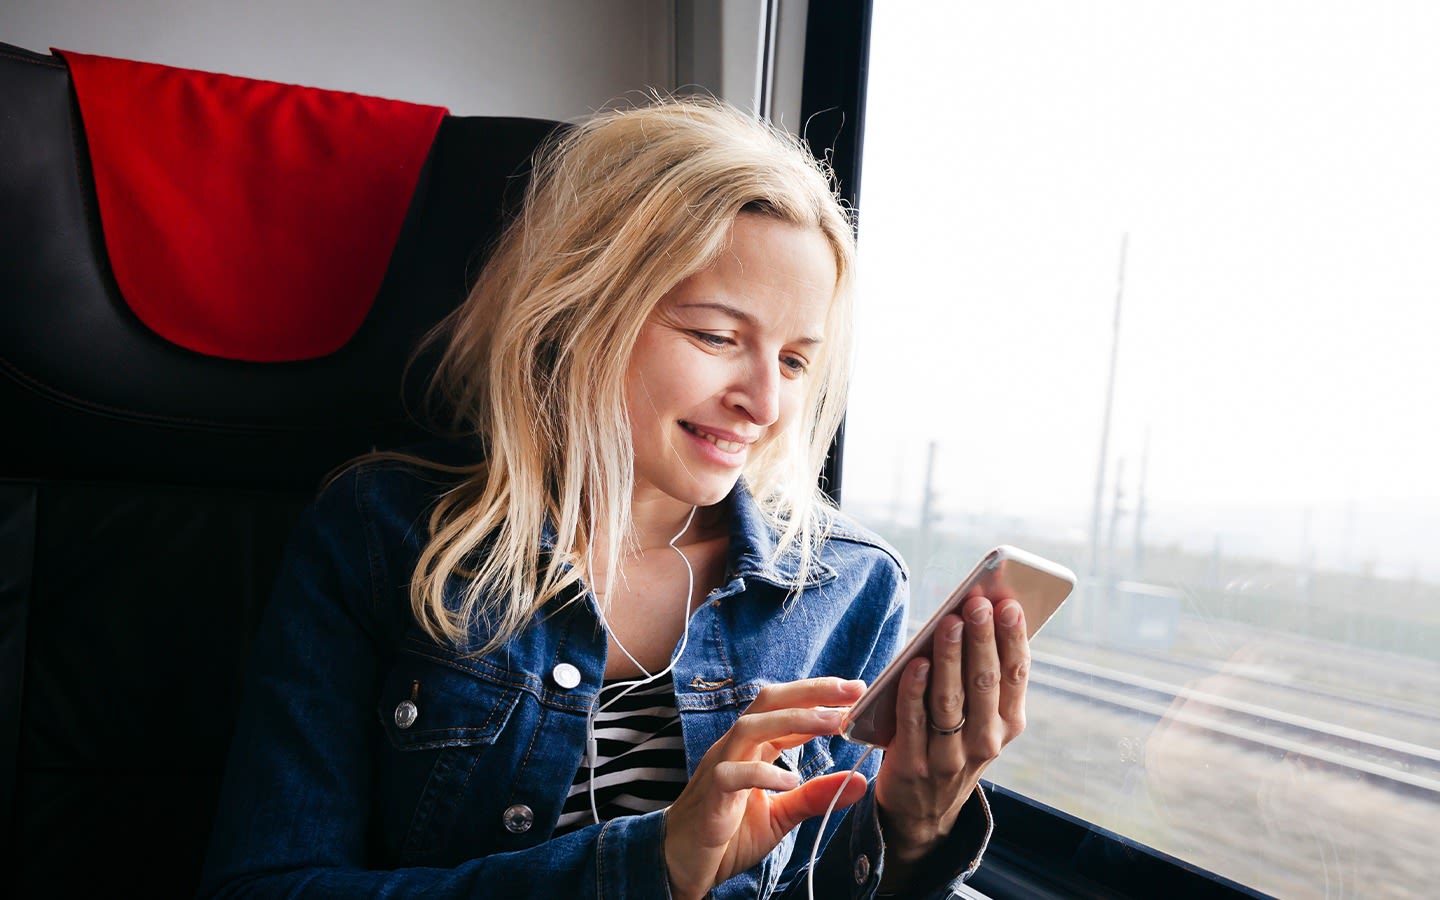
(1419, 716)
(1405, 766)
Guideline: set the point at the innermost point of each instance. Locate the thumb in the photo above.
(812, 799)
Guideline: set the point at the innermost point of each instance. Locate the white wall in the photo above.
(557, 59)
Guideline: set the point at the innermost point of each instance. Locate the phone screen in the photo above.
(1037, 583)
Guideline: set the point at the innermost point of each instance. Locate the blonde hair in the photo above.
(618, 211)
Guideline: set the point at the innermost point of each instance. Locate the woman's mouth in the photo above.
(727, 445)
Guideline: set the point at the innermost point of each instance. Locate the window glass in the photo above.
(1154, 290)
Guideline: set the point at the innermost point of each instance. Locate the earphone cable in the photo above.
(592, 746)
(820, 833)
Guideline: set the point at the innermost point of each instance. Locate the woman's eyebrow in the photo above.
(722, 308)
(739, 315)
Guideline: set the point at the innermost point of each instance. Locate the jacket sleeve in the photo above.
(852, 859)
(295, 810)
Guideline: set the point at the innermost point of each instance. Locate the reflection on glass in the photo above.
(1233, 208)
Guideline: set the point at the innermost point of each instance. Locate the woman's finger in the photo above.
(947, 682)
(1014, 664)
(807, 692)
(740, 775)
(908, 748)
(778, 729)
(982, 679)
(812, 798)
(769, 750)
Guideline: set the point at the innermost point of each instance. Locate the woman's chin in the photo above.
(707, 492)
(712, 493)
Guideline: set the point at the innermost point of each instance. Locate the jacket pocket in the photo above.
(426, 704)
(439, 722)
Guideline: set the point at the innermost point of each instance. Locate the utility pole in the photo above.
(928, 517)
(1117, 512)
(1099, 499)
(1139, 551)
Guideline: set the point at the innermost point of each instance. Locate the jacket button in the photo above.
(862, 868)
(566, 676)
(519, 818)
(405, 714)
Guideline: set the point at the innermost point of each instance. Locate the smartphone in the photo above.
(1039, 584)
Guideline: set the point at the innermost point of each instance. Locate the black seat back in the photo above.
(146, 492)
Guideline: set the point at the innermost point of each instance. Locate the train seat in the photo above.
(173, 391)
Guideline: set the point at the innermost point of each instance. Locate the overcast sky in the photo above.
(1276, 166)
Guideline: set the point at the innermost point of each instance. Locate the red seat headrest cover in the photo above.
(247, 219)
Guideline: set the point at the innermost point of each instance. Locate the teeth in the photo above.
(727, 446)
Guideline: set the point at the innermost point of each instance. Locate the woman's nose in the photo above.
(757, 393)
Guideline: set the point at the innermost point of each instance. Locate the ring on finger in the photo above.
(947, 731)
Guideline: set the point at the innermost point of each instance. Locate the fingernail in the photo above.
(980, 614)
(790, 778)
(953, 635)
(855, 684)
(830, 717)
(1009, 614)
(921, 671)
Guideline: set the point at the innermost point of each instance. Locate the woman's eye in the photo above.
(794, 364)
(713, 340)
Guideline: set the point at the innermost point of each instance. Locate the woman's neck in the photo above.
(659, 521)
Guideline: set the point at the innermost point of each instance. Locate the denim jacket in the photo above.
(370, 760)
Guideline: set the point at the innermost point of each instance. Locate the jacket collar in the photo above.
(752, 547)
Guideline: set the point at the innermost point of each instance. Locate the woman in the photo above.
(602, 649)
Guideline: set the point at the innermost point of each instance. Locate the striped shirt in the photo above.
(640, 761)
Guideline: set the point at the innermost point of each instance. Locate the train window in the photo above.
(1151, 290)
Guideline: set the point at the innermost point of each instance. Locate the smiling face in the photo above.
(721, 367)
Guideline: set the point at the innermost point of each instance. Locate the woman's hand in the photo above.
(976, 681)
(739, 805)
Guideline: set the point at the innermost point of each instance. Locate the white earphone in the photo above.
(592, 748)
